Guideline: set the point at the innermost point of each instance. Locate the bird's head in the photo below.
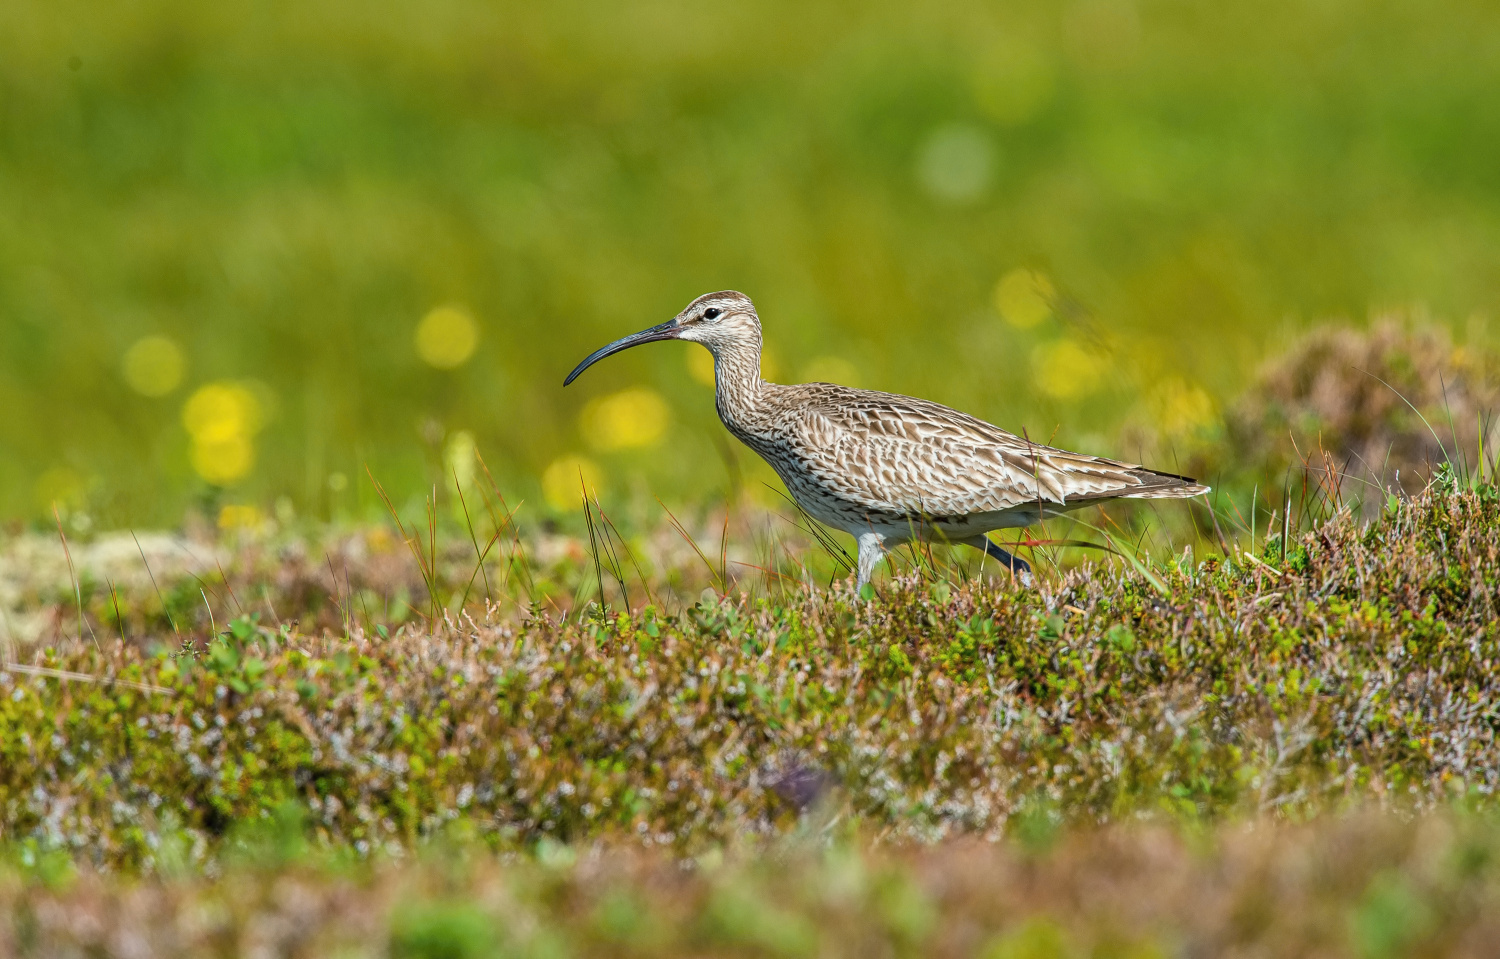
(720, 321)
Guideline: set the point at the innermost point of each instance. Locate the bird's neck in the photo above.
(737, 384)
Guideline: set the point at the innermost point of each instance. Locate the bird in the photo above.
(889, 469)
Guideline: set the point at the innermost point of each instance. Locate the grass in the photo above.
(285, 198)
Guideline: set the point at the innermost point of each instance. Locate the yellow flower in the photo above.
(1065, 370)
(447, 337)
(153, 366)
(219, 411)
(1180, 407)
(223, 461)
(222, 420)
(1024, 297)
(625, 420)
(236, 516)
(564, 481)
(380, 541)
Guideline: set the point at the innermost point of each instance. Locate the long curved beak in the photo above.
(665, 331)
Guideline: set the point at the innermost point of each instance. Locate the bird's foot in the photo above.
(1017, 566)
(871, 551)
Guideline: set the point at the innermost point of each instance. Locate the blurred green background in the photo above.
(248, 248)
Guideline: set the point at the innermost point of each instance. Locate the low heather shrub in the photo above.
(1354, 664)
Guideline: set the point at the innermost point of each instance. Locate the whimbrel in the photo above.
(887, 468)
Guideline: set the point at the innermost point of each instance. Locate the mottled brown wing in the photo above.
(902, 454)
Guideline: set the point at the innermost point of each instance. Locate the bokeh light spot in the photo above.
(220, 411)
(566, 478)
(1024, 298)
(223, 461)
(459, 457)
(831, 369)
(1065, 370)
(236, 516)
(956, 163)
(1179, 407)
(153, 366)
(628, 419)
(700, 364)
(447, 337)
(222, 419)
(380, 541)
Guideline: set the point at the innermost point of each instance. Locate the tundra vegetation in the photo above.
(288, 668)
(1279, 738)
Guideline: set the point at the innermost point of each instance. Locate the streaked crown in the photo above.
(720, 320)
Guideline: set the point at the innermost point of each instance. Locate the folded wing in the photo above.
(904, 455)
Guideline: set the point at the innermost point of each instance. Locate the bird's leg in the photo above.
(871, 551)
(1015, 564)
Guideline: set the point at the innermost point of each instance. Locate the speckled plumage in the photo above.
(887, 468)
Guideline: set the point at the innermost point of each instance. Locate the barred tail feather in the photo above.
(1155, 485)
(1183, 491)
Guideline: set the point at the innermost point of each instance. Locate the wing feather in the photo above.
(904, 455)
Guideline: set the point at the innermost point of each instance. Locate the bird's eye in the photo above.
(712, 313)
